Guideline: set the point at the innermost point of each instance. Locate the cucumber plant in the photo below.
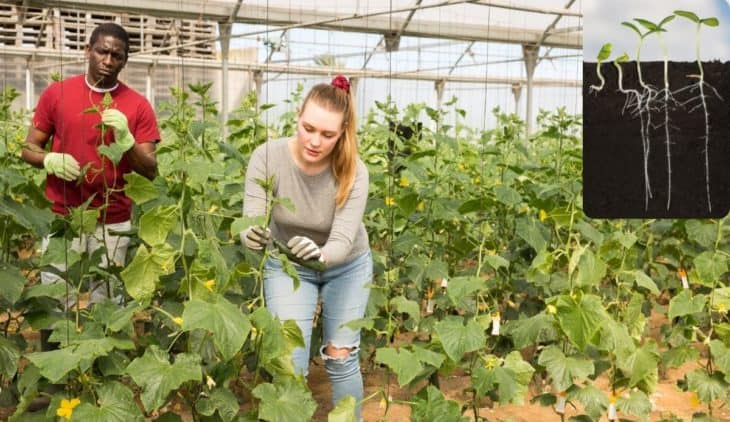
(603, 55)
(700, 86)
(668, 100)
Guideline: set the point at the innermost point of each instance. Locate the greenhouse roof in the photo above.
(457, 40)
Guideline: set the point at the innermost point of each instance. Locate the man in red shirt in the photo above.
(71, 114)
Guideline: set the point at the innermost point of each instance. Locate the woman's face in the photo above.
(318, 130)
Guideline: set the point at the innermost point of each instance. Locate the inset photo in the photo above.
(656, 104)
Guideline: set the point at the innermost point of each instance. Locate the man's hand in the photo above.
(304, 248)
(62, 165)
(256, 237)
(118, 121)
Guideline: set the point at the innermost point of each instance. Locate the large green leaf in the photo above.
(114, 403)
(511, 379)
(229, 325)
(721, 355)
(426, 356)
(702, 232)
(139, 188)
(287, 401)
(55, 364)
(11, 283)
(404, 363)
(536, 329)
(641, 366)
(580, 317)
(59, 251)
(344, 411)
(678, 356)
(457, 338)
(142, 274)
(708, 388)
(222, 400)
(507, 195)
(591, 270)
(461, 287)
(637, 404)
(157, 377)
(430, 405)
(643, 280)
(278, 341)
(156, 224)
(709, 267)
(406, 306)
(593, 399)
(9, 356)
(532, 232)
(686, 304)
(564, 371)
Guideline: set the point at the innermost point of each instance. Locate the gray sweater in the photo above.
(339, 232)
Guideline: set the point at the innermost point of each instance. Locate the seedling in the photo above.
(711, 22)
(602, 56)
(658, 29)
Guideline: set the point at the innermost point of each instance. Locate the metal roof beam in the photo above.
(373, 22)
(273, 68)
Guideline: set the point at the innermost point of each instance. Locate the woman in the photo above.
(320, 172)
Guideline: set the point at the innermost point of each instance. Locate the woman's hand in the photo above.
(305, 248)
(256, 237)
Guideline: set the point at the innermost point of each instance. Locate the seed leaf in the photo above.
(632, 26)
(651, 26)
(712, 22)
(689, 15)
(605, 52)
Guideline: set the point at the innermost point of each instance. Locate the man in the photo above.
(71, 114)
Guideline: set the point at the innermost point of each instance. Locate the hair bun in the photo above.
(341, 82)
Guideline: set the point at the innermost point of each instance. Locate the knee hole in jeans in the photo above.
(338, 353)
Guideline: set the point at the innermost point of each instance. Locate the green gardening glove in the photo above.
(61, 165)
(118, 121)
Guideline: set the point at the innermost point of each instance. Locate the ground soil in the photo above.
(612, 148)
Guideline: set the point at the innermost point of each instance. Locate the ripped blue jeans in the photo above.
(344, 298)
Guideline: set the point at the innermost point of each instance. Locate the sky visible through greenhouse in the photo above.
(439, 56)
(604, 20)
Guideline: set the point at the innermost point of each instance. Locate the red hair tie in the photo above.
(341, 82)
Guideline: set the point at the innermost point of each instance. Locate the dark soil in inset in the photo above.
(613, 169)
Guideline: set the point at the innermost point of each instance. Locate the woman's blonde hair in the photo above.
(344, 155)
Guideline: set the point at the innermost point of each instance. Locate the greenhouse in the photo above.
(225, 210)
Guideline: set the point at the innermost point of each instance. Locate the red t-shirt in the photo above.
(60, 112)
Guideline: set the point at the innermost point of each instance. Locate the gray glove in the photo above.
(304, 248)
(256, 237)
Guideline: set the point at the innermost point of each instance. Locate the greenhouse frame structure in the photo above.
(169, 33)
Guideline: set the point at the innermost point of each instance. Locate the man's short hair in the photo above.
(111, 29)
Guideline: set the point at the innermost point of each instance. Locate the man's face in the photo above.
(106, 58)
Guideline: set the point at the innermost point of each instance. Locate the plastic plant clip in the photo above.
(444, 283)
(612, 409)
(429, 306)
(495, 323)
(682, 273)
(560, 404)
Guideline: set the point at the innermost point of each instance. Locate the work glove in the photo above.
(304, 248)
(62, 165)
(256, 237)
(118, 122)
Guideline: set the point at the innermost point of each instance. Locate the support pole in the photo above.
(353, 88)
(529, 54)
(225, 31)
(258, 80)
(517, 92)
(149, 89)
(439, 86)
(29, 88)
